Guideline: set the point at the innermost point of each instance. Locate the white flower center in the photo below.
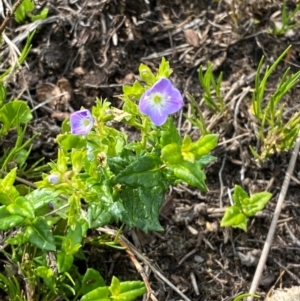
(158, 99)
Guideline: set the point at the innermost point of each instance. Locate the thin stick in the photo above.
(268, 242)
(146, 261)
(9, 13)
(150, 294)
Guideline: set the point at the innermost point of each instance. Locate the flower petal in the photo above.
(163, 85)
(158, 111)
(157, 117)
(81, 122)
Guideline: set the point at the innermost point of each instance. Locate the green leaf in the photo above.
(9, 222)
(146, 74)
(41, 197)
(135, 91)
(239, 195)
(69, 247)
(64, 262)
(39, 234)
(7, 183)
(256, 203)
(98, 294)
(77, 159)
(169, 134)
(190, 173)
(68, 141)
(41, 16)
(2, 94)
(75, 234)
(8, 193)
(242, 296)
(115, 287)
(98, 216)
(61, 162)
(171, 154)
(74, 209)
(143, 205)
(21, 207)
(44, 272)
(164, 69)
(126, 290)
(141, 172)
(206, 160)
(22, 11)
(204, 145)
(233, 217)
(90, 281)
(14, 113)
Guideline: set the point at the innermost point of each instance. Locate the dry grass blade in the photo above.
(145, 260)
(268, 242)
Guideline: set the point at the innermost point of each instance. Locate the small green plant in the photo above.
(286, 24)
(244, 206)
(274, 132)
(99, 178)
(26, 10)
(212, 89)
(242, 296)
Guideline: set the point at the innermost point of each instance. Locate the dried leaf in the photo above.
(192, 37)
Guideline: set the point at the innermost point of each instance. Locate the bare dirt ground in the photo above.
(90, 48)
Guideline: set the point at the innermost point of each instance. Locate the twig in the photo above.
(139, 268)
(146, 261)
(236, 129)
(268, 242)
(8, 15)
(293, 276)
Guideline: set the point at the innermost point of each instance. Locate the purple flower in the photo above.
(81, 122)
(161, 100)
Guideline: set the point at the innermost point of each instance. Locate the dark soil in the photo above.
(91, 48)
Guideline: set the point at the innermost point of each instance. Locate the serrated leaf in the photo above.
(40, 235)
(21, 207)
(204, 145)
(142, 206)
(141, 172)
(190, 173)
(90, 281)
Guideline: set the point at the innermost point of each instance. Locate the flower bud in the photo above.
(53, 179)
